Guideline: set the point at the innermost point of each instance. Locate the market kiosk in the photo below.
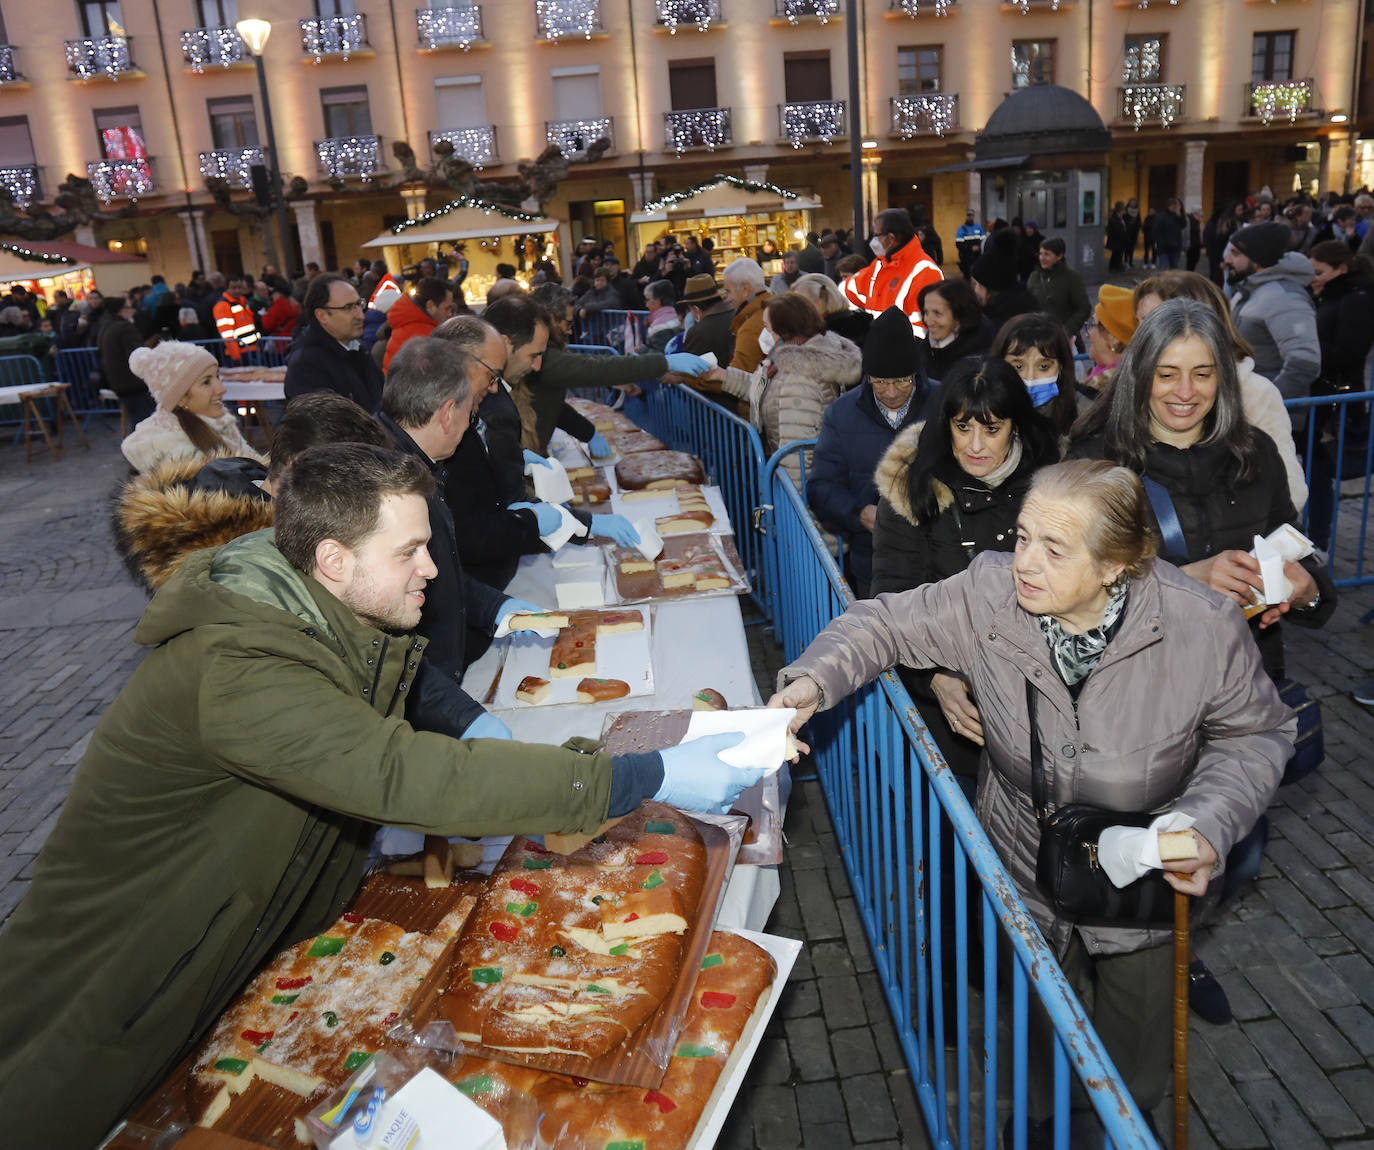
(486, 234)
(737, 215)
(54, 265)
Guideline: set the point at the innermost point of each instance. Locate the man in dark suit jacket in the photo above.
(327, 354)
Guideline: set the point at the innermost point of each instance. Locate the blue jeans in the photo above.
(1167, 259)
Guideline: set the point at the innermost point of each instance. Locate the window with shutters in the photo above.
(121, 133)
(16, 143)
(346, 112)
(100, 18)
(577, 93)
(460, 102)
(233, 122)
(327, 8)
(692, 84)
(805, 76)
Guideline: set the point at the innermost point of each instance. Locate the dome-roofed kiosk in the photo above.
(1043, 157)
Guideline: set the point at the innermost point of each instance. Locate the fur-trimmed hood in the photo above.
(826, 358)
(161, 517)
(894, 470)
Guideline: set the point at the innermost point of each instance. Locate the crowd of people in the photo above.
(1078, 480)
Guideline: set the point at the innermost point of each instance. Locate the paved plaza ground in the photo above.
(1295, 1070)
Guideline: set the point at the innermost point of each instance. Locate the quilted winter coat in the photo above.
(1179, 713)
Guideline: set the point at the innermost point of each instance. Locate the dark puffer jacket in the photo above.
(975, 341)
(1217, 512)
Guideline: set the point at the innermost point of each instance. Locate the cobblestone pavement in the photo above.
(1296, 1068)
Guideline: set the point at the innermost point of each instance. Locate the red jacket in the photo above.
(280, 318)
(235, 323)
(894, 280)
(407, 320)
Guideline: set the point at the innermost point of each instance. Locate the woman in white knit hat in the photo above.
(191, 419)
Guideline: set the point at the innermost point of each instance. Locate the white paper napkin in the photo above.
(1126, 853)
(650, 543)
(710, 357)
(1291, 543)
(579, 593)
(1271, 571)
(569, 526)
(765, 734)
(551, 484)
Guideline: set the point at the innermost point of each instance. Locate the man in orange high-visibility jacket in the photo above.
(896, 277)
(234, 319)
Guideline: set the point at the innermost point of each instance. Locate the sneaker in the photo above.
(1364, 693)
(1205, 995)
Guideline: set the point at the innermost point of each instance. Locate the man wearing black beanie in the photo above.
(1273, 309)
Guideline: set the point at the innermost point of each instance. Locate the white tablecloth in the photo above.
(696, 643)
(250, 390)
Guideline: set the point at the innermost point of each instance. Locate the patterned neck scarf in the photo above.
(1074, 656)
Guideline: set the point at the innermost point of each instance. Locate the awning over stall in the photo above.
(723, 195)
(463, 220)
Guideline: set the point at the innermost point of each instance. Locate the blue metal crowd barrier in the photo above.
(608, 328)
(270, 351)
(900, 818)
(80, 367)
(733, 455)
(16, 371)
(1346, 454)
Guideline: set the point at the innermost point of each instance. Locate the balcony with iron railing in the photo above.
(9, 72)
(110, 56)
(22, 184)
(574, 137)
(335, 36)
(795, 11)
(1271, 100)
(707, 128)
(350, 157)
(698, 14)
(122, 179)
(458, 26)
(925, 114)
(232, 165)
(811, 120)
(476, 145)
(567, 19)
(1162, 104)
(212, 48)
(896, 9)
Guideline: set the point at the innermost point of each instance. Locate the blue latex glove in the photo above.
(600, 449)
(687, 363)
(487, 727)
(695, 779)
(516, 607)
(615, 527)
(535, 458)
(546, 514)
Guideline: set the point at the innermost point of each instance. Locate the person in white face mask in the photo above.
(1038, 350)
(895, 278)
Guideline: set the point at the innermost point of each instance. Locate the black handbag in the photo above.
(1066, 867)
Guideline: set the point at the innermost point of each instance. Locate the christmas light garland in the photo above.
(562, 18)
(34, 257)
(1024, 6)
(936, 112)
(1172, 3)
(233, 165)
(202, 46)
(8, 72)
(707, 128)
(822, 10)
(673, 14)
(460, 24)
(22, 184)
(1273, 96)
(466, 202)
(475, 145)
(674, 198)
(574, 136)
(1162, 102)
(913, 7)
(334, 36)
(129, 178)
(813, 120)
(91, 56)
(1143, 62)
(342, 156)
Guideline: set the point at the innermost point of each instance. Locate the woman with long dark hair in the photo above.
(950, 489)
(1037, 348)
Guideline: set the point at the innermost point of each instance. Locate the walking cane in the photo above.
(1181, 956)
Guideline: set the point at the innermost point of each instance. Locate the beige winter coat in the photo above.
(1178, 714)
(808, 379)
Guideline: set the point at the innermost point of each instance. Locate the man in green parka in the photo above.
(224, 807)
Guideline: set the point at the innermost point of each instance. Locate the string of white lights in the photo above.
(475, 145)
(202, 46)
(674, 14)
(342, 156)
(233, 165)
(99, 54)
(574, 136)
(936, 112)
(466, 202)
(560, 19)
(1271, 97)
(111, 179)
(707, 128)
(813, 120)
(675, 198)
(460, 24)
(334, 36)
(822, 10)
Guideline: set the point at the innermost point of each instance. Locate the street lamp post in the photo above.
(254, 34)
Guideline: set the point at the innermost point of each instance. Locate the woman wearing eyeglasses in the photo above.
(327, 354)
